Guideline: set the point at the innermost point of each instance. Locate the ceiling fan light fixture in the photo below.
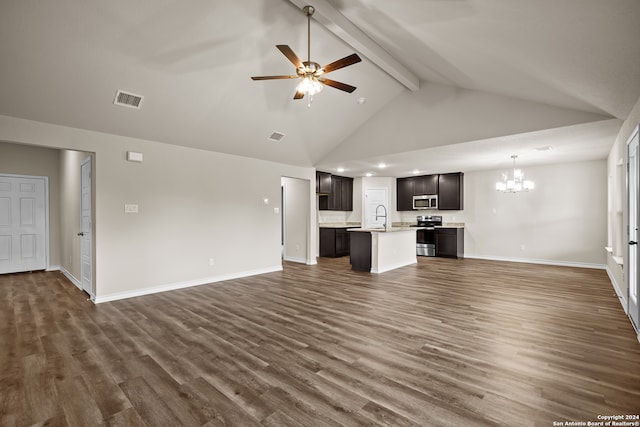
(309, 86)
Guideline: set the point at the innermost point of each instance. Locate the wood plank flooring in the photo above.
(442, 343)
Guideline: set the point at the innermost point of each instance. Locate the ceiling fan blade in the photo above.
(298, 95)
(273, 77)
(291, 56)
(341, 63)
(338, 85)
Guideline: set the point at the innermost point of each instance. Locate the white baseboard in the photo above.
(295, 259)
(181, 285)
(393, 266)
(539, 261)
(71, 278)
(616, 287)
(53, 268)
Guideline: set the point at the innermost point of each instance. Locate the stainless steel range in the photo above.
(426, 234)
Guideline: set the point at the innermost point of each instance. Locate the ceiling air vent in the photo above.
(276, 137)
(127, 99)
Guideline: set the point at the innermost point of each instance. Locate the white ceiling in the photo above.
(531, 73)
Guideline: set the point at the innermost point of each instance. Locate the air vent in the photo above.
(127, 99)
(276, 137)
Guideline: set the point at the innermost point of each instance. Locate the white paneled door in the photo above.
(23, 225)
(86, 258)
(633, 212)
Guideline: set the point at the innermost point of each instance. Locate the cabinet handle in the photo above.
(632, 242)
(81, 234)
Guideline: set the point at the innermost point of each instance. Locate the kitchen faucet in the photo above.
(384, 224)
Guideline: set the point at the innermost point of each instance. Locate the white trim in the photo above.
(182, 285)
(295, 259)
(312, 261)
(392, 267)
(71, 277)
(53, 268)
(619, 293)
(540, 261)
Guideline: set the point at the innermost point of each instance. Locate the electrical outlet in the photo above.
(212, 262)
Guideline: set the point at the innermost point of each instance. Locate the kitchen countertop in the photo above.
(382, 230)
(339, 225)
(451, 225)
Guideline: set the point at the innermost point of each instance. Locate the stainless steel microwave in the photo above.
(427, 201)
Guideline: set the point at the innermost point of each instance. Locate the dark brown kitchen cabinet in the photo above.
(340, 198)
(323, 182)
(360, 258)
(334, 242)
(449, 242)
(404, 193)
(425, 184)
(406, 188)
(451, 191)
(347, 194)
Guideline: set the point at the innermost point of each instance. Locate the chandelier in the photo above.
(514, 183)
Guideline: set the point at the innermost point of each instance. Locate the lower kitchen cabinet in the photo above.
(449, 242)
(334, 242)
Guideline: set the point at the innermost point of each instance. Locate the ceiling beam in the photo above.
(334, 21)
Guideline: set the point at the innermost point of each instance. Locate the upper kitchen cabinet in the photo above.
(404, 193)
(448, 187)
(425, 185)
(323, 182)
(340, 194)
(451, 191)
(406, 188)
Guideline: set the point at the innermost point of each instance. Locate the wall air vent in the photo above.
(276, 137)
(127, 99)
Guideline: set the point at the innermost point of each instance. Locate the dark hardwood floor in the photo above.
(446, 342)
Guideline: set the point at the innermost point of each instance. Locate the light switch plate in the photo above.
(130, 208)
(133, 156)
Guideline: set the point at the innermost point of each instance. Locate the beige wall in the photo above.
(617, 212)
(19, 159)
(561, 221)
(194, 205)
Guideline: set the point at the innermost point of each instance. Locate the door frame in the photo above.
(633, 184)
(88, 160)
(47, 229)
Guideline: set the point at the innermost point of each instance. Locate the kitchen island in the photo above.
(377, 250)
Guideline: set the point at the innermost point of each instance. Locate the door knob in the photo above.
(631, 242)
(81, 234)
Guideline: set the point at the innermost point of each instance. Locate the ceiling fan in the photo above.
(311, 72)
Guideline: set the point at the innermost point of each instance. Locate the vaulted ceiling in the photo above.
(494, 77)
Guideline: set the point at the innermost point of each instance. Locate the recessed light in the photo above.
(382, 165)
(340, 170)
(368, 174)
(362, 100)
(416, 171)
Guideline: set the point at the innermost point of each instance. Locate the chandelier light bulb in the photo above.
(514, 183)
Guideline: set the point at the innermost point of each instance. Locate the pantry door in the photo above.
(23, 223)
